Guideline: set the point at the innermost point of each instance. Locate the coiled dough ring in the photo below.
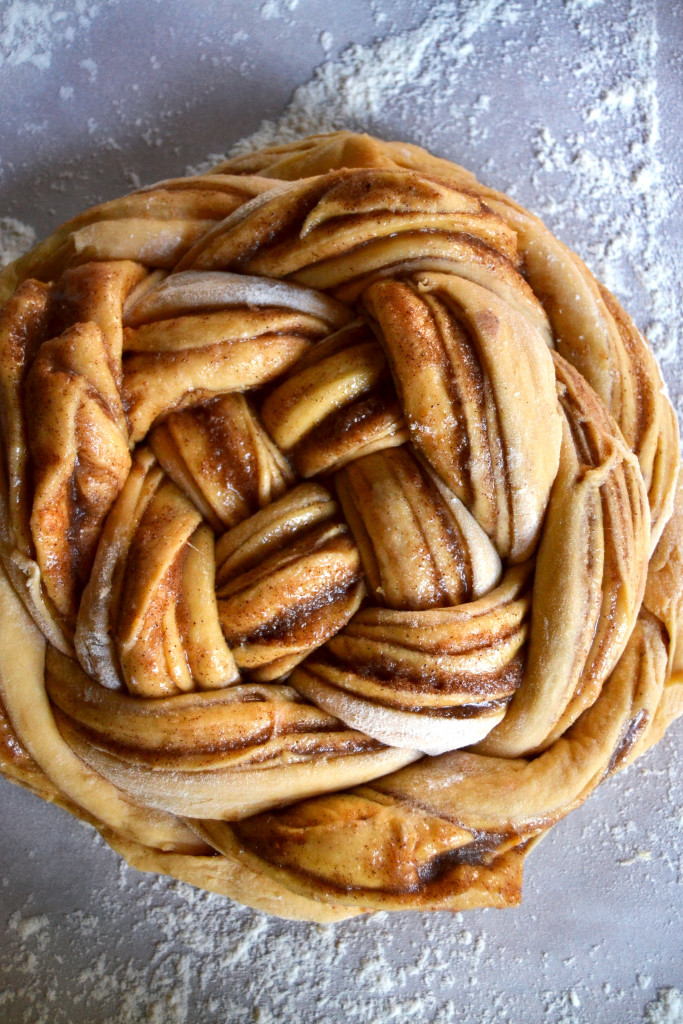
(340, 534)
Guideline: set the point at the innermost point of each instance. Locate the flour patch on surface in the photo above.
(16, 238)
(667, 1008)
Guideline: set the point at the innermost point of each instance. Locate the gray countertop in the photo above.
(575, 107)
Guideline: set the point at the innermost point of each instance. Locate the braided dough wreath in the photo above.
(340, 533)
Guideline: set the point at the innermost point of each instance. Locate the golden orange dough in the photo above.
(340, 539)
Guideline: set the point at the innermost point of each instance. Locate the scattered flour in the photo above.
(354, 90)
(192, 958)
(31, 29)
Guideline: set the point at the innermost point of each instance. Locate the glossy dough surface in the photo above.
(340, 534)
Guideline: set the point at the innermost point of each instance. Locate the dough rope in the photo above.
(340, 532)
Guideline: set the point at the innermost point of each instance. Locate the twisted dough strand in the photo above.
(343, 501)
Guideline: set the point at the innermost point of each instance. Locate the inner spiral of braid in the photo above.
(340, 531)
